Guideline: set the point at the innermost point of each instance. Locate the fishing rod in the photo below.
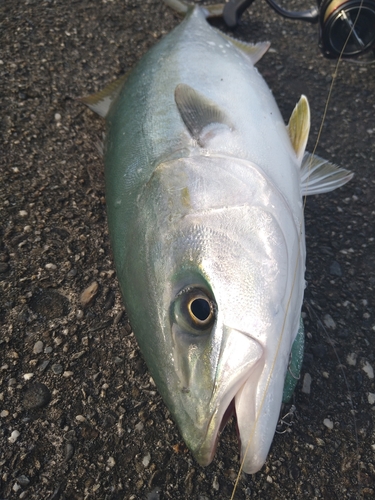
(346, 27)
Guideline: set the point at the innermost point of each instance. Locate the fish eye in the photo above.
(194, 310)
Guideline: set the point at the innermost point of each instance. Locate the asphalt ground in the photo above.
(79, 416)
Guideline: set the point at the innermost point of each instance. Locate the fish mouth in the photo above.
(217, 422)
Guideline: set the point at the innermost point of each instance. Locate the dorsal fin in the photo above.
(299, 127)
(321, 176)
(254, 51)
(100, 102)
(197, 111)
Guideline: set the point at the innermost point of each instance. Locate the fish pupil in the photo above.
(201, 309)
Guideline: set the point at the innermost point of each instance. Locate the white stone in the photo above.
(368, 369)
(352, 359)
(51, 266)
(38, 347)
(14, 436)
(328, 423)
(146, 460)
(329, 322)
(371, 398)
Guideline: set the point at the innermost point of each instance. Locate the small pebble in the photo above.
(4, 413)
(351, 359)
(37, 395)
(22, 213)
(371, 398)
(14, 436)
(43, 365)
(23, 480)
(215, 484)
(72, 273)
(80, 418)
(146, 460)
(38, 347)
(67, 374)
(16, 487)
(111, 462)
(57, 117)
(88, 295)
(306, 386)
(368, 369)
(335, 269)
(28, 376)
(329, 322)
(57, 369)
(328, 423)
(69, 451)
(51, 266)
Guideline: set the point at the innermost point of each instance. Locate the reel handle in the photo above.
(234, 9)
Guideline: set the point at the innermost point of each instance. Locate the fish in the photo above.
(204, 193)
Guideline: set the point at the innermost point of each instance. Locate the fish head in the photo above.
(212, 266)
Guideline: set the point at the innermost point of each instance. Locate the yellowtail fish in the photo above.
(204, 188)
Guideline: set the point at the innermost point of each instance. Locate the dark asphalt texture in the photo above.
(79, 416)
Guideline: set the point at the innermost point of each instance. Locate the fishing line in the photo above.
(328, 99)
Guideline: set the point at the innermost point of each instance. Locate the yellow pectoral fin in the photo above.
(299, 127)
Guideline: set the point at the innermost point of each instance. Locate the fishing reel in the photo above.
(347, 27)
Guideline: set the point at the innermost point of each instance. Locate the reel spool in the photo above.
(346, 27)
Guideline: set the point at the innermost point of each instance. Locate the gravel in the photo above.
(54, 246)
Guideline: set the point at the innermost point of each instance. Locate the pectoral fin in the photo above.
(321, 176)
(299, 127)
(198, 112)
